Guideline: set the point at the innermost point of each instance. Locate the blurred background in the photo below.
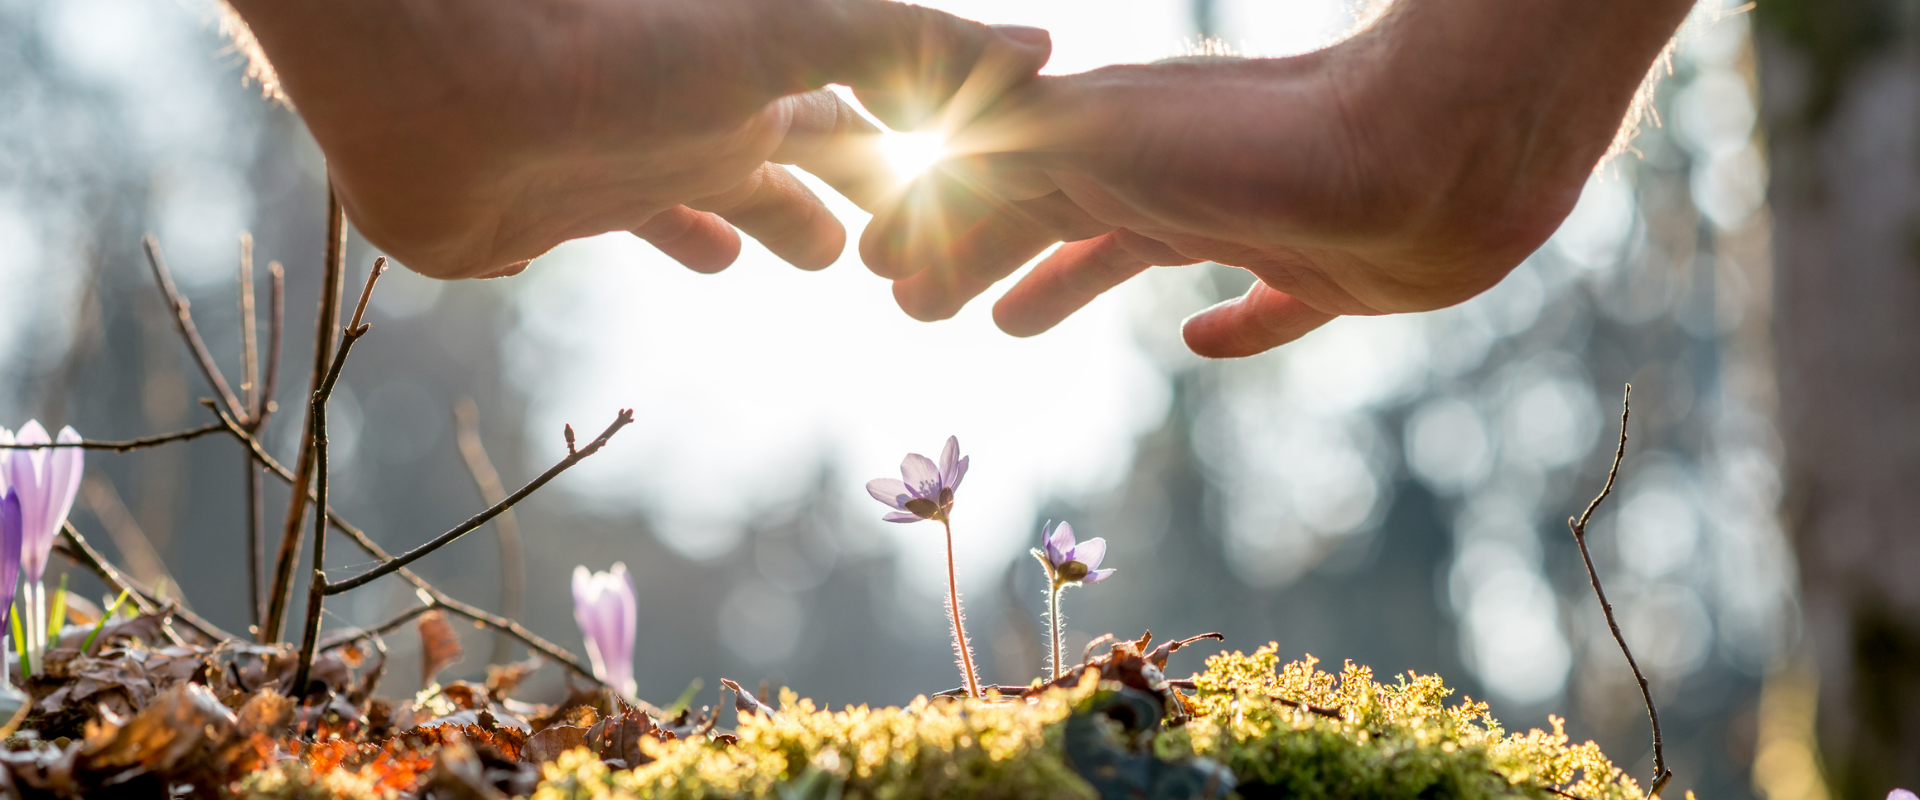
(1391, 491)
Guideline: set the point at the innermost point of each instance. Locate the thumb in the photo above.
(906, 62)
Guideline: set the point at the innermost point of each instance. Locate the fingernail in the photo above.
(1024, 35)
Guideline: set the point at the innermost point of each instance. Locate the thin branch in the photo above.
(506, 529)
(263, 407)
(249, 332)
(276, 327)
(254, 487)
(76, 548)
(280, 595)
(317, 589)
(372, 548)
(625, 418)
(1579, 528)
(123, 446)
(183, 322)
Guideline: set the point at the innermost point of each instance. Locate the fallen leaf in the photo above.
(439, 645)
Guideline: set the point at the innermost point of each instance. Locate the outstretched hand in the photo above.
(1406, 169)
(465, 138)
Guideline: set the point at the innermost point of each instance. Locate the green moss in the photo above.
(1285, 730)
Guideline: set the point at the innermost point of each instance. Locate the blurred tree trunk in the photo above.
(1840, 89)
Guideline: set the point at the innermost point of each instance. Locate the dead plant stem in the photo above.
(1579, 528)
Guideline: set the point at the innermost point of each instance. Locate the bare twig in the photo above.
(317, 590)
(280, 593)
(76, 548)
(249, 332)
(123, 446)
(1579, 528)
(250, 394)
(276, 327)
(625, 417)
(506, 530)
(440, 599)
(183, 322)
(263, 407)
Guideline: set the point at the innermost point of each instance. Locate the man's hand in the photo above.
(465, 138)
(1406, 169)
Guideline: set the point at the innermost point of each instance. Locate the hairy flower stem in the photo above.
(959, 627)
(1053, 624)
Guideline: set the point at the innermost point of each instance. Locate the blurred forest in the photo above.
(1391, 491)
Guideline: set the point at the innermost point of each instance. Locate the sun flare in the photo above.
(912, 153)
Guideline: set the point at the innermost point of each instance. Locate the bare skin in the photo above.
(465, 138)
(1406, 169)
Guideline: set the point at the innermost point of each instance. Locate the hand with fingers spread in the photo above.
(1405, 169)
(465, 138)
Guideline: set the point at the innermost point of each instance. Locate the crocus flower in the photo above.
(9, 554)
(1068, 561)
(925, 491)
(47, 480)
(10, 698)
(604, 606)
(44, 481)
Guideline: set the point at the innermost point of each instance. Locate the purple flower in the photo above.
(1901, 794)
(46, 480)
(925, 491)
(604, 606)
(9, 551)
(1069, 562)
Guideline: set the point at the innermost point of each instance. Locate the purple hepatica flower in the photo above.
(604, 605)
(1070, 562)
(925, 491)
(46, 480)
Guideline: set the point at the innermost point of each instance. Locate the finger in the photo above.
(984, 255)
(906, 62)
(1076, 274)
(703, 242)
(1260, 320)
(925, 221)
(780, 212)
(828, 138)
(507, 271)
(992, 250)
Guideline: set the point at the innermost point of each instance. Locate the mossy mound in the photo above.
(1283, 730)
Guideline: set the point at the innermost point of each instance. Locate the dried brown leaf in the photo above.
(548, 744)
(439, 645)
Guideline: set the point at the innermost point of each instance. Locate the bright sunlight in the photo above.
(912, 153)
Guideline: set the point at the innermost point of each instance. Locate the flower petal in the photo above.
(1090, 552)
(1060, 544)
(922, 478)
(9, 550)
(1097, 576)
(949, 461)
(890, 491)
(952, 481)
(901, 516)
